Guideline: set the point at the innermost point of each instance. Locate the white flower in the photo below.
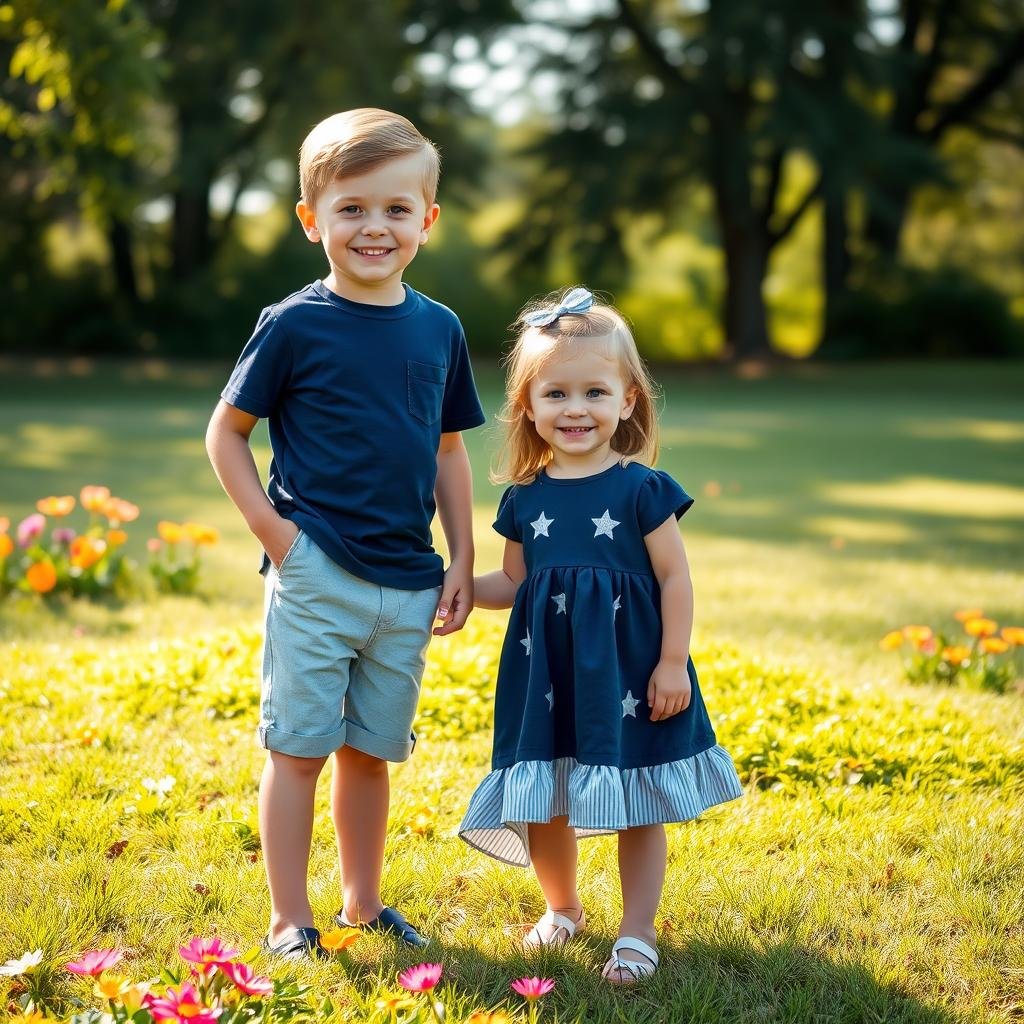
(25, 965)
(159, 787)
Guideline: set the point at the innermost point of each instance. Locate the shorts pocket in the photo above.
(290, 552)
(426, 390)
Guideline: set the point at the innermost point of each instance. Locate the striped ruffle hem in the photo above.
(596, 798)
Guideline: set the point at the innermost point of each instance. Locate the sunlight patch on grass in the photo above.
(932, 496)
(886, 531)
(989, 431)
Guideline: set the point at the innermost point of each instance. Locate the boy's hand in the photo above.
(456, 599)
(278, 538)
(669, 690)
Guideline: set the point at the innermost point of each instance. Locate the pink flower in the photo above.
(29, 528)
(244, 977)
(63, 535)
(421, 978)
(95, 962)
(207, 954)
(533, 988)
(183, 1005)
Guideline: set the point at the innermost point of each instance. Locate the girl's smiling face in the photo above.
(576, 401)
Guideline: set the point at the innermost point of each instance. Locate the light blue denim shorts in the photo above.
(342, 658)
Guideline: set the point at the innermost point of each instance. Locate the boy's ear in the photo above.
(628, 404)
(307, 218)
(429, 220)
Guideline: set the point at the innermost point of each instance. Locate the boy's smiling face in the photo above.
(371, 226)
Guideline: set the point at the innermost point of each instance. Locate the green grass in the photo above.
(874, 871)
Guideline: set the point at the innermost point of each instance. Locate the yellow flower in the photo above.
(994, 645)
(917, 634)
(488, 1017)
(968, 613)
(88, 735)
(93, 498)
(891, 640)
(337, 939)
(200, 534)
(115, 538)
(422, 821)
(56, 507)
(956, 654)
(132, 996)
(1013, 635)
(110, 985)
(42, 577)
(6, 545)
(980, 627)
(395, 1004)
(170, 533)
(30, 1015)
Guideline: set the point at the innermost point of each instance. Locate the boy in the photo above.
(366, 384)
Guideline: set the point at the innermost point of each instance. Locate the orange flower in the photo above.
(6, 546)
(956, 654)
(88, 735)
(917, 634)
(337, 939)
(93, 497)
(980, 627)
(87, 551)
(170, 533)
(199, 534)
(488, 1017)
(423, 820)
(56, 507)
(1013, 635)
(117, 510)
(115, 538)
(5, 524)
(968, 613)
(42, 577)
(891, 640)
(994, 645)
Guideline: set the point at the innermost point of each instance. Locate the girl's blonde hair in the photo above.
(523, 452)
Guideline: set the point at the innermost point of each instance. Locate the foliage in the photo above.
(984, 657)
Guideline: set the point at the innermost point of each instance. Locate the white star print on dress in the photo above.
(629, 704)
(540, 525)
(605, 525)
(550, 695)
(527, 642)
(559, 600)
(616, 605)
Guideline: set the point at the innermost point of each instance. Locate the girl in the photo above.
(599, 723)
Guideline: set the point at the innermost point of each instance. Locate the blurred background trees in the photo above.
(747, 180)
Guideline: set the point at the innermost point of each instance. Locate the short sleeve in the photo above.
(506, 523)
(262, 369)
(659, 497)
(460, 407)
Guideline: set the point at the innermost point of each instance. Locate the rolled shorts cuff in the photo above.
(378, 746)
(302, 746)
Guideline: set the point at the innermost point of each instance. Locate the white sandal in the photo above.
(563, 929)
(637, 969)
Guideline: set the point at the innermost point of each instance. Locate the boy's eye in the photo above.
(349, 209)
(398, 210)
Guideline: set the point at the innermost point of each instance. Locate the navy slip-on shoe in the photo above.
(300, 944)
(388, 920)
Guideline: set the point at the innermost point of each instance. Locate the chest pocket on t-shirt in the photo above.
(426, 389)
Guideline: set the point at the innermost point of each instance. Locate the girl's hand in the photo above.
(669, 690)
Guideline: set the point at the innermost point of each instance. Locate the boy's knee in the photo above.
(356, 760)
(304, 766)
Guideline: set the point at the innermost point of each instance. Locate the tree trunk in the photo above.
(119, 238)
(192, 244)
(884, 223)
(836, 258)
(746, 316)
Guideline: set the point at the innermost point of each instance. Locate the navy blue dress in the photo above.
(572, 729)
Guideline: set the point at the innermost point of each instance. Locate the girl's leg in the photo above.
(360, 792)
(287, 790)
(553, 854)
(643, 853)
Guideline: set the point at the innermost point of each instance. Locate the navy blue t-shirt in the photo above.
(357, 397)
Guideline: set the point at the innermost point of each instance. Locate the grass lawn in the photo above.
(873, 872)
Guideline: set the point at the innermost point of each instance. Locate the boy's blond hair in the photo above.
(524, 452)
(356, 141)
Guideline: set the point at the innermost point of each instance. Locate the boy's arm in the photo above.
(498, 589)
(453, 493)
(227, 444)
(668, 692)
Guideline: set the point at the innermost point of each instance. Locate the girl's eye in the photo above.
(595, 393)
(555, 394)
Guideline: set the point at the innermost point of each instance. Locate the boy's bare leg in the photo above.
(554, 855)
(643, 853)
(287, 792)
(360, 792)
